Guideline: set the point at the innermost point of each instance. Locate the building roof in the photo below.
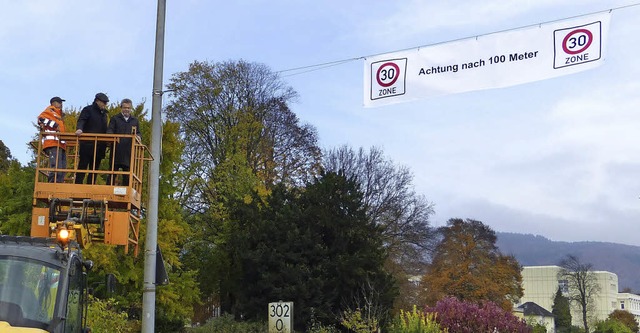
(533, 309)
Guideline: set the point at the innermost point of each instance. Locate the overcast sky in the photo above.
(558, 158)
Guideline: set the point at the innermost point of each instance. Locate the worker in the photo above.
(51, 122)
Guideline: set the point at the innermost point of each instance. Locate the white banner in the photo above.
(489, 61)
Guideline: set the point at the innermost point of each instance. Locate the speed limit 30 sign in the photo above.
(388, 78)
(577, 45)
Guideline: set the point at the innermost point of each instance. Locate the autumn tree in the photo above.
(582, 285)
(211, 99)
(470, 317)
(626, 318)
(562, 310)
(392, 204)
(241, 138)
(468, 265)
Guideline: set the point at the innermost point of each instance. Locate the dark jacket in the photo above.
(118, 125)
(92, 120)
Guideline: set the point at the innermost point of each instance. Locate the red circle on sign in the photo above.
(586, 46)
(393, 79)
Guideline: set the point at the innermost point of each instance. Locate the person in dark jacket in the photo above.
(123, 123)
(92, 119)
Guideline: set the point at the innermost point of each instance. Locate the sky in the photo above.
(558, 158)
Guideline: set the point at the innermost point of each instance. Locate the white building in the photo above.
(540, 284)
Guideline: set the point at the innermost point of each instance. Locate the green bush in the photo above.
(538, 328)
(354, 322)
(416, 322)
(104, 316)
(227, 324)
(612, 326)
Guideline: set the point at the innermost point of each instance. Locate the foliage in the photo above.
(391, 204)
(105, 317)
(466, 317)
(239, 139)
(625, 317)
(5, 157)
(313, 247)
(354, 322)
(582, 284)
(175, 301)
(562, 310)
(315, 326)
(612, 326)
(211, 100)
(16, 193)
(227, 324)
(416, 322)
(538, 328)
(468, 265)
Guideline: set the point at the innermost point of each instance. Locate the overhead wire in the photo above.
(316, 67)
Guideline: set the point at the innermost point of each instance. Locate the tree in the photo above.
(626, 318)
(562, 310)
(175, 301)
(468, 265)
(240, 139)
(16, 193)
(582, 284)
(314, 247)
(5, 157)
(211, 100)
(392, 205)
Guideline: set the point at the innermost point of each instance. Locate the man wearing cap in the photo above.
(92, 119)
(51, 122)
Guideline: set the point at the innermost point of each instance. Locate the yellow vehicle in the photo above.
(43, 285)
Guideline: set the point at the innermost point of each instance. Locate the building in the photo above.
(540, 284)
(631, 303)
(533, 314)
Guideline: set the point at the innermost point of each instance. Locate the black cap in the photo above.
(56, 99)
(102, 97)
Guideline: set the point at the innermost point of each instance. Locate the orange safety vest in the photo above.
(50, 121)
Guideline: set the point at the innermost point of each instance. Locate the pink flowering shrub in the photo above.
(466, 317)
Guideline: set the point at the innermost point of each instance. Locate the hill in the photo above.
(535, 250)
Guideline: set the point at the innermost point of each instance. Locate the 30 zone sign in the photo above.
(388, 78)
(280, 317)
(577, 45)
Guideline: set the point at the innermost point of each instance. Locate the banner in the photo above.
(489, 61)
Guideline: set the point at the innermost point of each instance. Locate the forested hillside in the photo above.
(535, 250)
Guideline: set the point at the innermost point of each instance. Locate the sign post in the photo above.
(281, 317)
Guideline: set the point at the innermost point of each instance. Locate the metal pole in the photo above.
(149, 292)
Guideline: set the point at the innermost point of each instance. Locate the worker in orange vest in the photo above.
(50, 122)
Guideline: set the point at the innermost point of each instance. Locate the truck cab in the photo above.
(43, 286)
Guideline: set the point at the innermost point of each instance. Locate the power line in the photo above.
(312, 68)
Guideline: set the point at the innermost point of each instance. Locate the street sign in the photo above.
(578, 45)
(281, 317)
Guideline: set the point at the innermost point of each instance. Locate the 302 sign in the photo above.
(281, 317)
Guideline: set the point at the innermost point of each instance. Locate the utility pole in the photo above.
(149, 291)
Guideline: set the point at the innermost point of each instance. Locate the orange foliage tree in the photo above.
(468, 265)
